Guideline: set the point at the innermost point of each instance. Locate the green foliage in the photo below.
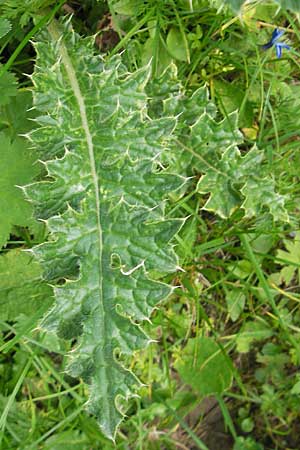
(128, 7)
(176, 45)
(128, 207)
(247, 444)
(8, 86)
(203, 366)
(251, 332)
(18, 167)
(241, 164)
(107, 207)
(293, 5)
(16, 116)
(5, 27)
(210, 148)
(235, 300)
(290, 259)
(23, 10)
(21, 288)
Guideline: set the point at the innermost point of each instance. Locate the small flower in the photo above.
(274, 41)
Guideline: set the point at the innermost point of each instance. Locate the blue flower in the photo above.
(274, 41)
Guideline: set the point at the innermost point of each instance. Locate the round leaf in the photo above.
(204, 366)
(176, 45)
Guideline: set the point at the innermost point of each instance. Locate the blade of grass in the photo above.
(227, 417)
(28, 326)
(200, 444)
(131, 33)
(72, 416)
(12, 397)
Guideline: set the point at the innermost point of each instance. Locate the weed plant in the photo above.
(222, 370)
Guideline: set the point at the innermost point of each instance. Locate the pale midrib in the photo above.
(79, 97)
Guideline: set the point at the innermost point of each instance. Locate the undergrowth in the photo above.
(176, 303)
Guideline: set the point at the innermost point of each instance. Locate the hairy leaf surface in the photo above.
(103, 200)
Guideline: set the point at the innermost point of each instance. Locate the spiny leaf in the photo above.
(17, 167)
(22, 290)
(210, 148)
(259, 193)
(104, 201)
(224, 177)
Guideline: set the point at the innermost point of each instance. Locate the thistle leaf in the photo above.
(206, 147)
(103, 201)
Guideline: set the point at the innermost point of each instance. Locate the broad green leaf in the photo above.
(5, 27)
(156, 53)
(8, 87)
(251, 332)
(204, 366)
(22, 290)
(16, 117)
(103, 201)
(262, 243)
(176, 45)
(127, 7)
(235, 300)
(296, 388)
(240, 269)
(17, 167)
